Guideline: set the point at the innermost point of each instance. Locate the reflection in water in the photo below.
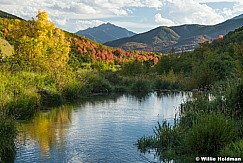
(101, 129)
(48, 128)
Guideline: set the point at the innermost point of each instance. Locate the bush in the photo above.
(133, 68)
(113, 77)
(146, 143)
(234, 99)
(167, 140)
(98, 84)
(73, 91)
(140, 86)
(210, 133)
(53, 98)
(233, 150)
(23, 107)
(169, 137)
(161, 84)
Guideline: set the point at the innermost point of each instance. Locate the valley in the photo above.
(72, 98)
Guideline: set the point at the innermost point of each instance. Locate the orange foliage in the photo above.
(156, 60)
(95, 51)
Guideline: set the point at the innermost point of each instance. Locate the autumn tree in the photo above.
(40, 44)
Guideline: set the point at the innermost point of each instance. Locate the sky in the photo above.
(135, 15)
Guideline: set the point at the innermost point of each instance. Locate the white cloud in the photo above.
(218, 1)
(163, 21)
(84, 24)
(238, 7)
(119, 12)
(138, 26)
(60, 22)
(227, 12)
(191, 12)
(174, 12)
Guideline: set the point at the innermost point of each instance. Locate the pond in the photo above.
(101, 129)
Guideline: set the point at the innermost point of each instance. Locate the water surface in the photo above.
(100, 130)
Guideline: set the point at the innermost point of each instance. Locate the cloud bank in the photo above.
(79, 14)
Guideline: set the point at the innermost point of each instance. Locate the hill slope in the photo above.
(184, 37)
(84, 51)
(105, 32)
(162, 36)
(7, 15)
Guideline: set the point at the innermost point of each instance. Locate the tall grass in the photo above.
(234, 149)
(209, 134)
(8, 133)
(209, 125)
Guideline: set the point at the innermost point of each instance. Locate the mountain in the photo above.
(7, 15)
(154, 37)
(105, 32)
(181, 38)
(238, 17)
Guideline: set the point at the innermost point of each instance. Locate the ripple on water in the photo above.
(103, 132)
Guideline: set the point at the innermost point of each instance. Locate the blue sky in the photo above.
(135, 15)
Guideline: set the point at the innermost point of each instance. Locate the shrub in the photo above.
(209, 134)
(133, 68)
(98, 84)
(53, 98)
(146, 143)
(22, 107)
(234, 99)
(140, 86)
(169, 137)
(113, 77)
(233, 149)
(161, 84)
(73, 91)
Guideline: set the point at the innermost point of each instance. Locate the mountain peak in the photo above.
(105, 32)
(185, 37)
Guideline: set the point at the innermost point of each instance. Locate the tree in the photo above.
(40, 44)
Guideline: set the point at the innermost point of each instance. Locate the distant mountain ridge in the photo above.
(105, 32)
(154, 37)
(180, 38)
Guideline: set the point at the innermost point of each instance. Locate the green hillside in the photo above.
(161, 36)
(186, 37)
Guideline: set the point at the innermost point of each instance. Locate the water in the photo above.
(96, 131)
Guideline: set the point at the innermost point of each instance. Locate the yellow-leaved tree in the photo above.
(40, 45)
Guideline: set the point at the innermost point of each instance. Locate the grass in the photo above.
(8, 133)
(209, 134)
(207, 127)
(234, 149)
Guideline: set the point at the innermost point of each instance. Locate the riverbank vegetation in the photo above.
(210, 124)
(46, 66)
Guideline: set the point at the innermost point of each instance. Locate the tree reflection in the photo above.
(48, 128)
